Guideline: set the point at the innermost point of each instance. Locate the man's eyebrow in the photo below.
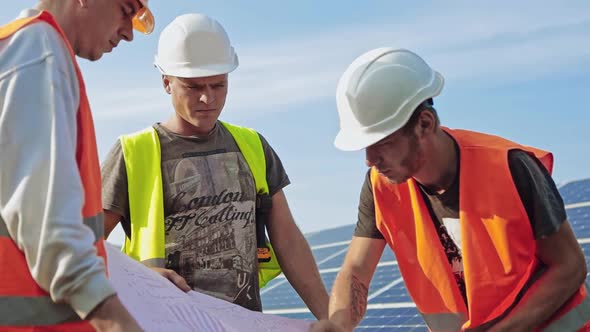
(191, 84)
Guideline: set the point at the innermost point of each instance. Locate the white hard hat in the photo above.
(195, 45)
(378, 93)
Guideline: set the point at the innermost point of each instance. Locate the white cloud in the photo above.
(488, 43)
(113, 103)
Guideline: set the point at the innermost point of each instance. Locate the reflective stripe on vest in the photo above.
(96, 225)
(496, 238)
(39, 311)
(23, 304)
(572, 320)
(142, 155)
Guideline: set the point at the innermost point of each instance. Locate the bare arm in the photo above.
(295, 258)
(112, 316)
(348, 301)
(566, 271)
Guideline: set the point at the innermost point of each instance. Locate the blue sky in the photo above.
(519, 70)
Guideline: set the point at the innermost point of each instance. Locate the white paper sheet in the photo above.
(158, 305)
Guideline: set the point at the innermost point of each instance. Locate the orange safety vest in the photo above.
(24, 305)
(498, 244)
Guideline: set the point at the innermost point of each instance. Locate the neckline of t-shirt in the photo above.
(158, 126)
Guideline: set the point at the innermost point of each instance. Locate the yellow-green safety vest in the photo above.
(141, 151)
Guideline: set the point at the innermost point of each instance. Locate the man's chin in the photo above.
(205, 121)
(91, 56)
(397, 180)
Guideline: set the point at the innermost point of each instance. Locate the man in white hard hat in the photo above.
(194, 194)
(52, 257)
(476, 222)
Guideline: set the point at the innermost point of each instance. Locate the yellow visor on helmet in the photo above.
(144, 21)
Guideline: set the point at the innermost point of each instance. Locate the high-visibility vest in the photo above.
(142, 154)
(24, 306)
(498, 244)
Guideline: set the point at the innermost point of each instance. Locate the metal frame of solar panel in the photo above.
(390, 308)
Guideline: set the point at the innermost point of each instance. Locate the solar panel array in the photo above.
(390, 308)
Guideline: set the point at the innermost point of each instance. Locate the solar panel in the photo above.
(336, 261)
(281, 297)
(579, 218)
(392, 319)
(390, 308)
(343, 233)
(395, 292)
(325, 255)
(576, 192)
(586, 250)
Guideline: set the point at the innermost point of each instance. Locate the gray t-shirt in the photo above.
(209, 203)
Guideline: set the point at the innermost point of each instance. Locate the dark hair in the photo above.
(425, 106)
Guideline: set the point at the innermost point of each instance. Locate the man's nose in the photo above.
(207, 96)
(127, 31)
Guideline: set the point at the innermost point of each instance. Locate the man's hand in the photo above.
(174, 277)
(112, 316)
(325, 325)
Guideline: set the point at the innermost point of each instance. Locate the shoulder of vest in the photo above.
(144, 132)
(19, 23)
(230, 126)
(473, 139)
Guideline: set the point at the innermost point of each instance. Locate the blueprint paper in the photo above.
(158, 305)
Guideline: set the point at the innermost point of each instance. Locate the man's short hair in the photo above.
(428, 106)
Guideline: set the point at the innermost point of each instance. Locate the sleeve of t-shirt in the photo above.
(538, 193)
(276, 177)
(115, 196)
(366, 225)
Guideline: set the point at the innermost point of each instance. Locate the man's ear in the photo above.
(166, 84)
(426, 123)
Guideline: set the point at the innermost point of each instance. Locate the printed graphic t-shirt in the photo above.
(209, 203)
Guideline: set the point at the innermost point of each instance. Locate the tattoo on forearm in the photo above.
(358, 299)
